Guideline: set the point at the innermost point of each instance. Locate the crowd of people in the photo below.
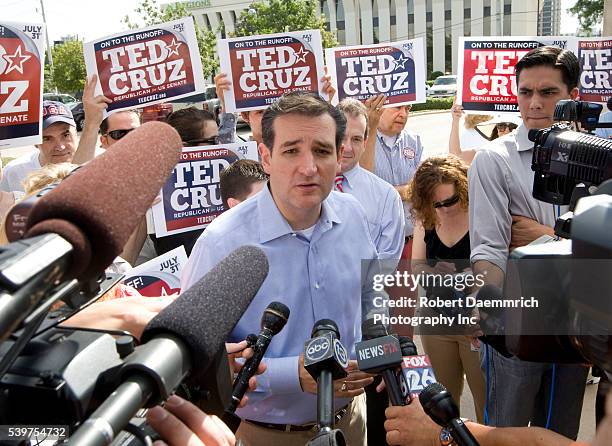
(334, 186)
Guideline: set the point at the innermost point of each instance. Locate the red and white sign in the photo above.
(418, 374)
(22, 58)
(595, 57)
(160, 276)
(146, 66)
(263, 68)
(486, 80)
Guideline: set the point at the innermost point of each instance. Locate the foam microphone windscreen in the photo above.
(107, 198)
(205, 314)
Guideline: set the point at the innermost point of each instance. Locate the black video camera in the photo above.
(571, 277)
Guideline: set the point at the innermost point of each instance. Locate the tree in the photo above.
(152, 14)
(68, 67)
(589, 13)
(276, 16)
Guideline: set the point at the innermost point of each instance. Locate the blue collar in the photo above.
(273, 225)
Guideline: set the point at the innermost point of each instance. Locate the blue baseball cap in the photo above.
(56, 112)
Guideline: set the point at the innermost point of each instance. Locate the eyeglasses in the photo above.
(118, 134)
(213, 140)
(446, 203)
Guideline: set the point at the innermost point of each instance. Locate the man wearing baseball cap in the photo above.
(58, 146)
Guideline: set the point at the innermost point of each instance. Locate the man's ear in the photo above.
(265, 155)
(574, 93)
(340, 152)
(231, 202)
(103, 141)
(245, 117)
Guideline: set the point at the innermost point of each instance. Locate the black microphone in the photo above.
(438, 403)
(273, 320)
(184, 339)
(380, 352)
(326, 359)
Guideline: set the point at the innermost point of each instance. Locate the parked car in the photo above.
(444, 86)
(70, 101)
(79, 115)
(206, 101)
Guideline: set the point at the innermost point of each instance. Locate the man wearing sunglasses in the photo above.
(116, 126)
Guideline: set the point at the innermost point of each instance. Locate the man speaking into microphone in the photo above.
(315, 242)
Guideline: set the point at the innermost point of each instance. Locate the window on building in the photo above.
(507, 17)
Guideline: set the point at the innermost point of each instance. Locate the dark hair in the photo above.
(188, 122)
(552, 56)
(495, 133)
(237, 179)
(104, 123)
(304, 104)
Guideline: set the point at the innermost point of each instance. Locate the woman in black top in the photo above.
(438, 194)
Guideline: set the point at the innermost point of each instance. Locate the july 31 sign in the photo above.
(263, 68)
(191, 197)
(21, 73)
(396, 70)
(146, 66)
(486, 79)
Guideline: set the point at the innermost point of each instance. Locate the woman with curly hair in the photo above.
(438, 194)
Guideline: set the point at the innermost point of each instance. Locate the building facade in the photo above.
(439, 22)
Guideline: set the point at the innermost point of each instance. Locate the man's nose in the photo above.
(536, 102)
(307, 166)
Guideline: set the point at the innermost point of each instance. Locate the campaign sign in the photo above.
(396, 70)
(21, 72)
(191, 197)
(263, 68)
(418, 374)
(146, 66)
(486, 79)
(160, 276)
(595, 57)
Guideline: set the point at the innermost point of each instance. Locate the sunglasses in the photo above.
(212, 141)
(446, 203)
(118, 134)
(504, 126)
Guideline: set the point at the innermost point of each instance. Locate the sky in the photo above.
(92, 19)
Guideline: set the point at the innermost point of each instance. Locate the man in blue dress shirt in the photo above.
(385, 215)
(315, 242)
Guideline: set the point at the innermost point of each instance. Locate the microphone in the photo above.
(97, 208)
(380, 353)
(326, 359)
(186, 338)
(83, 223)
(438, 403)
(416, 371)
(273, 320)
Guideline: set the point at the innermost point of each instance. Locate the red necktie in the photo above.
(339, 179)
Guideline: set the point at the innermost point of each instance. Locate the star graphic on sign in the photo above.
(399, 63)
(173, 47)
(301, 55)
(15, 61)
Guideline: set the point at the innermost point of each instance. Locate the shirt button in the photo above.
(317, 285)
(293, 234)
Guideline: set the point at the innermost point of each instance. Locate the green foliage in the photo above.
(68, 67)
(48, 84)
(152, 14)
(434, 104)
(429, 82)
(276, 16)
(589, 13)
(435, 74)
